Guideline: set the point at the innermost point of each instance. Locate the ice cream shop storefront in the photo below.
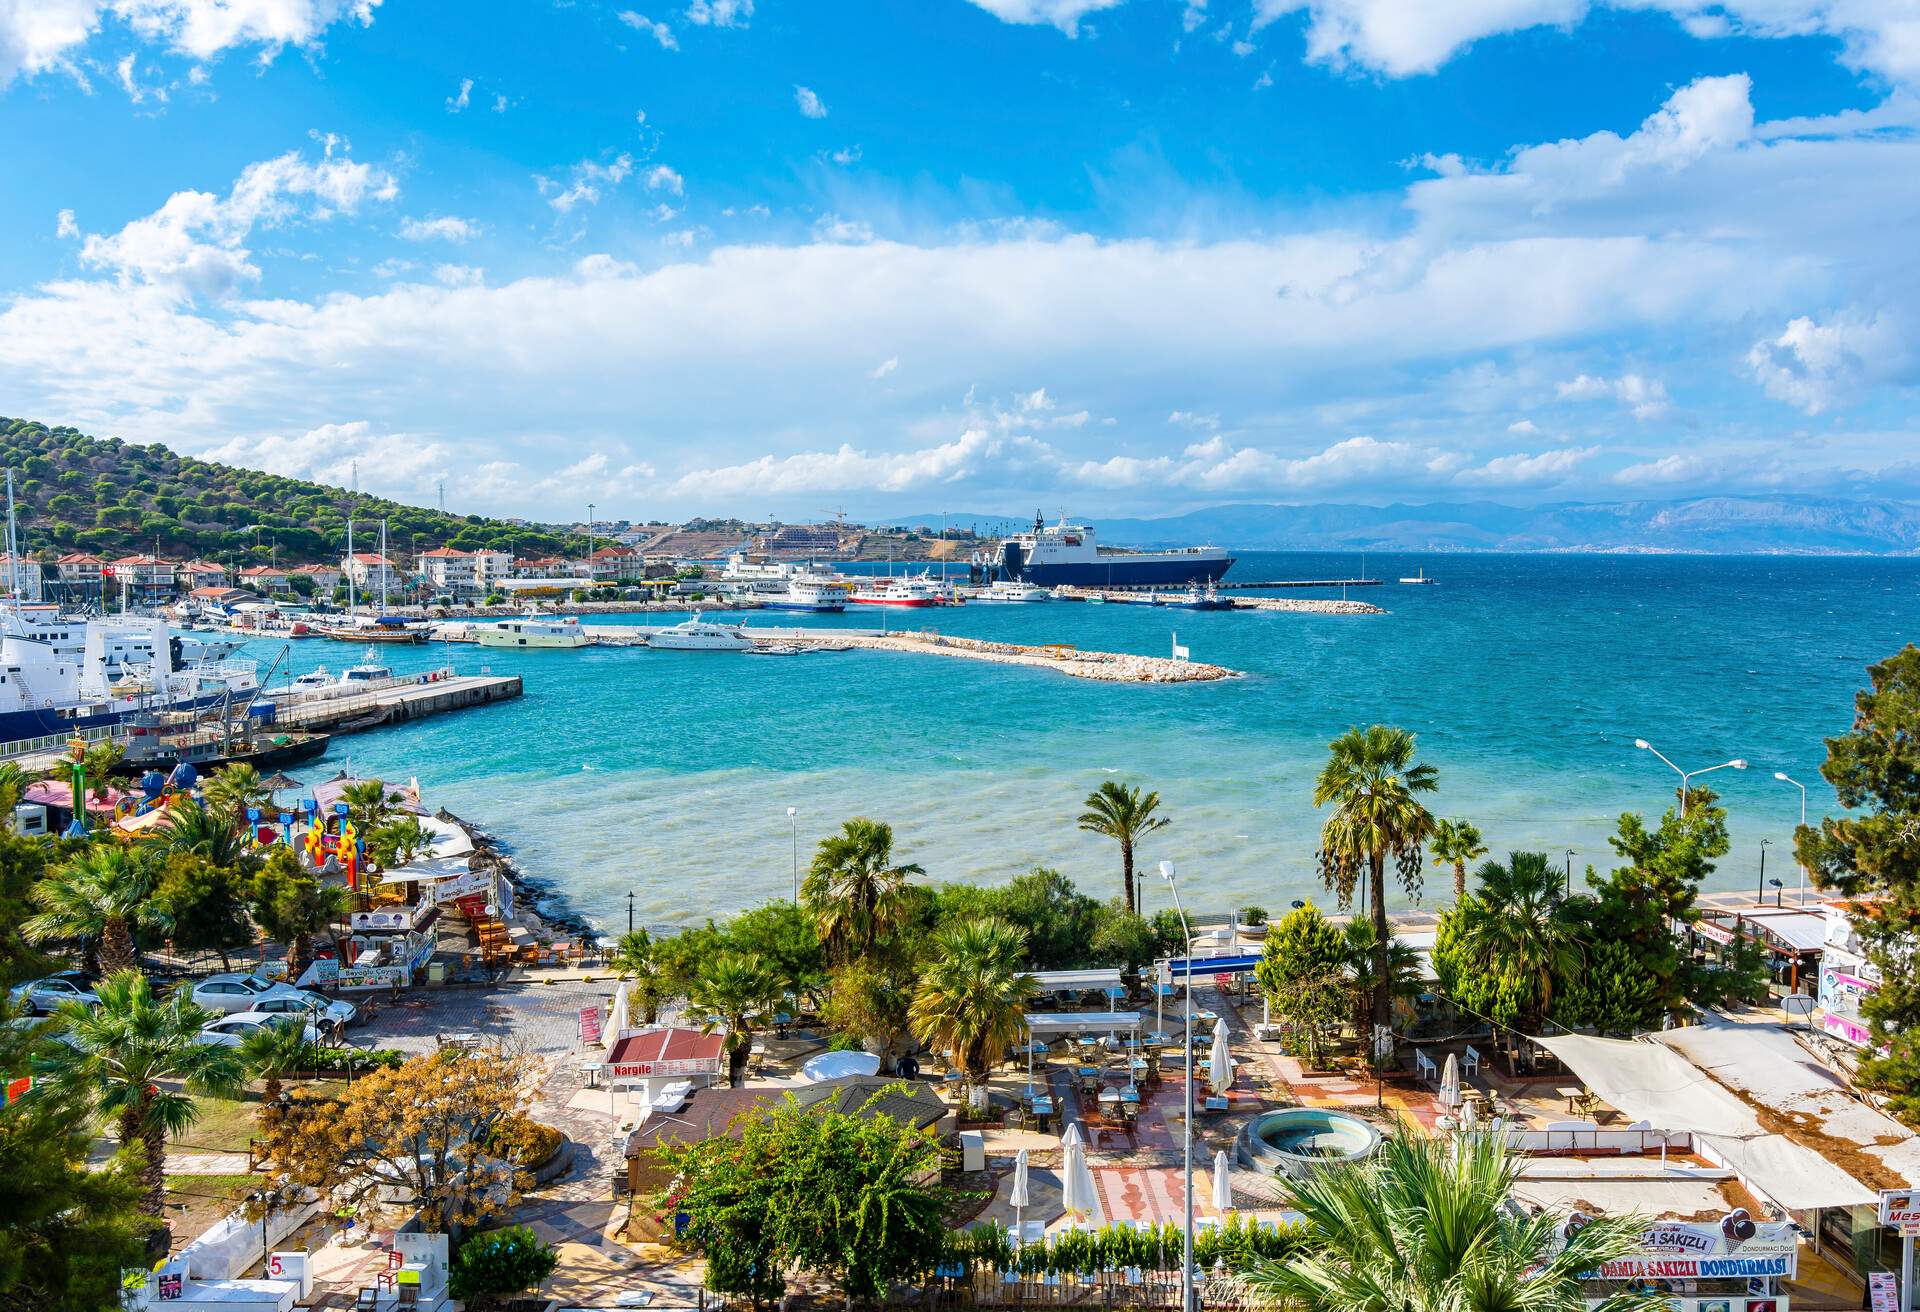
(1734, 1264)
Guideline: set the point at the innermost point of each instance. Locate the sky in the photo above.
(777, 259)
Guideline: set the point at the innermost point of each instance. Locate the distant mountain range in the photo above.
(1728, 525)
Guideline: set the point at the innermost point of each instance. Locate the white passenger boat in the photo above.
(809, 595)
(532, 631)
(1012, 590)
(699, 635)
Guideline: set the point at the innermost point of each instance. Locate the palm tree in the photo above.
(1457, 843)
(103, 894)
(1362, 960)
(370, 803)
(123, 1055)
(1125, 814)
(853, 889)
(13, 783)
(972, 999)
(1371, 781)
(212, 831)
(738, 994)
(1424, 1225)
(635, 958)
(236, 788)
(1513, 926)
(274, 1051)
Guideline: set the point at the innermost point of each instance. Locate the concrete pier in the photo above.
(396, 705)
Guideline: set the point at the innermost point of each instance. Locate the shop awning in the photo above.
(1802, 931)
(1081, 1022)
(1047, 981)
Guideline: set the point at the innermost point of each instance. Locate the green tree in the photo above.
(273, 1052)
(102, 894)
(867, 1000)
(854, 889)
(1428, 1225)
(737, 994)
(1457, 843)
(66, 1230)
(783, 936)
(1509, 942)
(13, 784)
(1126, 815)
(211, 831)
(1372, 784)
(370, 804)
(206, 904)
(139, 1061)
(235, 788)
(490, 1268)
(637, 958)
(1872, 854)
(23, 864)
(1362, 960)
(851, 1199)
(1612, 992)
(1059, 921)
(397, 842)
(1302, 970)
(1644, 901)
(973, 995)
(293, 906)
(1123, 938)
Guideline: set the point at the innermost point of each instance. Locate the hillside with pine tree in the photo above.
(112, 498)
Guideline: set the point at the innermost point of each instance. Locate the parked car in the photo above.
(41, 996)
(232, 1031)
(325, 1012)
(236, 992)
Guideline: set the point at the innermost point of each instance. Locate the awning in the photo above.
(1047, 981)
(430, 869)
(1081, 1022)
(448, 839)
(1800, 930)
(834, 1065)
(1653, 1083)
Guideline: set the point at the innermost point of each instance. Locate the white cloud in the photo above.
(390, 463)
(501, 104)
(1243, 48)
(1063, 14)
(585, 182)
(443, 228)
(809, 104)
(720, 13)
(65, 226)
(846, 155)
(193, 244)
(1645, 398)
(1525, 426)
(884, 368)
(1406, 37)
(126, 73)
(1815, 366)
(37, 36)
(456, 103)
(1193, 16)
(458, 275)
(1523, 470)
(660, 32)
(662, 178)
(1667, 470)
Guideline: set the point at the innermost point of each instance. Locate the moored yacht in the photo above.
(810, 595)
(1013, 590)
(532, 630)
(699, 635)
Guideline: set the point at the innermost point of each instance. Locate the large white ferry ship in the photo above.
(1063, 554)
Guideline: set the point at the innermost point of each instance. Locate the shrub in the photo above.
(491, 1267)
(527, 1142)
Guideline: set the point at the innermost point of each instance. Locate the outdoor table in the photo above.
(1207, 1017)
(1160, 1038)
(1570, 1094)
(1089, 1072)
(1109, 1094)
(1137, 1065)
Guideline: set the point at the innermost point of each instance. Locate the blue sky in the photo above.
(1126, 256)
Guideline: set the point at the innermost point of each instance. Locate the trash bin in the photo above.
(436, 972)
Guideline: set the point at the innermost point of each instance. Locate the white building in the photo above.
(371, 573)
(448, 570)
(24, 574)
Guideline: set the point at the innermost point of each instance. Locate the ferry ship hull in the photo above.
(805, 607)
(1127, 571)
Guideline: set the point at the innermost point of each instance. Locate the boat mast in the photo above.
(13, 548)
(383, 567)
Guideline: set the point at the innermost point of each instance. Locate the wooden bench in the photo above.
(1423, 1067)
(1470, 1062)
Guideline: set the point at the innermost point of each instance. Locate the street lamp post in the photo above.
(1784, 778)
(1760, 895)
(1569, 872)
(629, 911)
(1687, 775)
(793, 818)
(1186, 1252)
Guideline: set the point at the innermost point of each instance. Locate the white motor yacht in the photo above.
(699, 635)
(532, 630)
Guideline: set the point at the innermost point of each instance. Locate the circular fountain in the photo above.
(1293, 1141)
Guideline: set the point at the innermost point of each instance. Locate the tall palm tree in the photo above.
(236, 788)
(272, 1052)
(212, 831)
(1457, 843)
(1362, 962)
(1424, 1226)
(370, 803)
(854, 889)
(1514, 927)
(124, 1055)
(103, 894)
(738, 994)
(636, 958)
(1372, 784)
(1125, 814)
(972, 999)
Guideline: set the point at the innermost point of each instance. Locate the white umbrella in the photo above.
(1018, 1198)
(1469, 1117)
(1222, 1183)
(1077, 1195)
(1222, 1060)
(1450, 1082)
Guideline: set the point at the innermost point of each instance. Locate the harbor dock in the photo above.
(396, 704)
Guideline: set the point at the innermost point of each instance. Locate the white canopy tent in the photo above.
(427, 869)
(1076, 1022)
(834, 1065)
(449, 839)
(1653, 1083)
(1050, 981)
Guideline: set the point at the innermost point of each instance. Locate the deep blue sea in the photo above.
(1526, 678)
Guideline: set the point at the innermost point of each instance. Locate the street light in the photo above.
(1760, 894)
(1569, 872)
(1784, 778)
(1186, 1252)
(629, 911)
(793, 818)
(1686, 775)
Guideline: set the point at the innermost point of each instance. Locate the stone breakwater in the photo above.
(1109, 667)
(1308, 605)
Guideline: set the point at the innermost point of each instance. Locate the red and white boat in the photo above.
(922, 591)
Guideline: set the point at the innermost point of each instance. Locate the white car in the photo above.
(325, 1012)
(238, 992)
(41, 996)
(232, 1031)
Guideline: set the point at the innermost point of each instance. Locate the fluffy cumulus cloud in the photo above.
(585, 182)
(1644, 398)
(41, 35)
(1063, 14)
(444, 228)
(809, 102)
(1407, 37)
(660, 32)
(1815, 365)
(195, 244)
(720, 13)
(390, 463)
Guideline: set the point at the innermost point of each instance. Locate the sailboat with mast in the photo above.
(382, 627)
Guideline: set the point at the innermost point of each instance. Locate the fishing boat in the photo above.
(384, 629)
(700, 635)
(532, 631)
(1198, 598)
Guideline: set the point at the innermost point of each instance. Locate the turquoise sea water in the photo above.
(1527, 678)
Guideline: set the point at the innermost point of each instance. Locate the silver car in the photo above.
(325, 1012)
(41, 996)
(236, 992)
(232, 1031)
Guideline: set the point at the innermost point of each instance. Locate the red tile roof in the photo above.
(638, 1054)
(448, 552)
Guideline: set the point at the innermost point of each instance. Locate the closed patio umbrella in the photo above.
(1018, 1196)
(1222, 1183)
(1222, 1059)
(1450, 1082)
(1077, 1195)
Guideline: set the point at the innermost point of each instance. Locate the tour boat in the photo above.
(532, 631)
(808, 595)
(898, 592)
(1013, 590)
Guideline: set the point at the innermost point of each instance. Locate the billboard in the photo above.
(1735, 1248)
